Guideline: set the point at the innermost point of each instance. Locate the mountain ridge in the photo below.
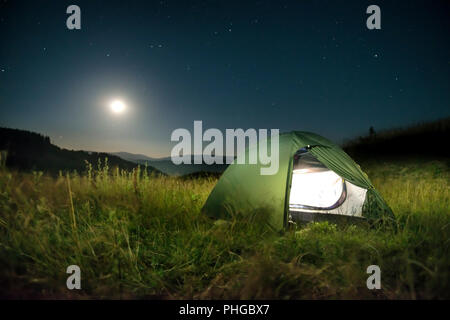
(27, 150)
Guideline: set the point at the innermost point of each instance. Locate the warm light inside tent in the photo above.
(315, 189)
(302, 171)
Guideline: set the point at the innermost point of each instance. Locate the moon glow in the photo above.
(117, 106)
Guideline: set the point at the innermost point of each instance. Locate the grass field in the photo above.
(140, 236)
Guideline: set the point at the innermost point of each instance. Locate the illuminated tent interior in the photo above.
(316, 180)
(317, 190)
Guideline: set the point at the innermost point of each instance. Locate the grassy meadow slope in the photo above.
(144, 236)
(136, 235)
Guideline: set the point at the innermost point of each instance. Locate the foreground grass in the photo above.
(140, 236)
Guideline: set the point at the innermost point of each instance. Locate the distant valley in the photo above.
(166, 165)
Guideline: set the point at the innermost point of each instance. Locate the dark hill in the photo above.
(27, 150)
(424, 140)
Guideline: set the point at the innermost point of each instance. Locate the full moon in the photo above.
(117, 106)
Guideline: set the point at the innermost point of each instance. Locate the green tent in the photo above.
(242, 189)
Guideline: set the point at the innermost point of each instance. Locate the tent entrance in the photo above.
(314, 186)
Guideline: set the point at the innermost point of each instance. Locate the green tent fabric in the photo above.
(242, 189)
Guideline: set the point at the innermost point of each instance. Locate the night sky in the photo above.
(292, 65)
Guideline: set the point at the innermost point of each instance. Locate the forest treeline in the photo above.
(25, 150)
(424, 140)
